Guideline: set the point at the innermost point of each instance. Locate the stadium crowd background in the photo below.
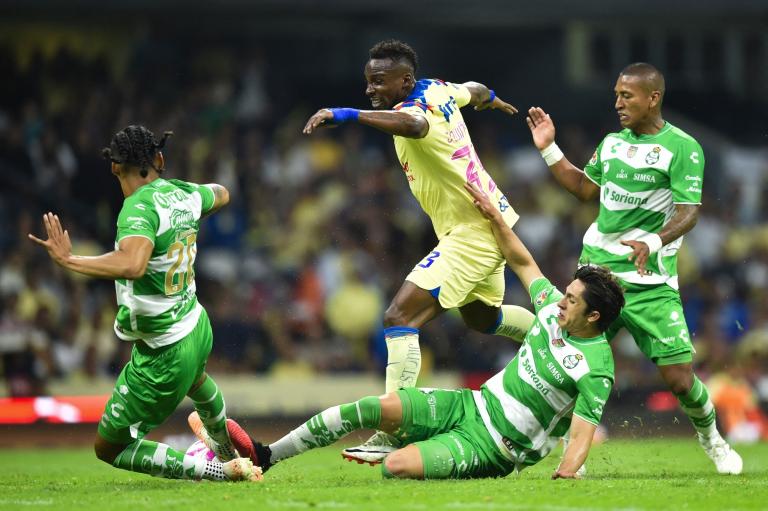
(297, 271)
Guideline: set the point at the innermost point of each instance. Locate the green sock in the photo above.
(328, 426)
(159, 460)
(209, 403)
(699, 408)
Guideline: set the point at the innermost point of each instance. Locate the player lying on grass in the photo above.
(561, 378)
(152, 266)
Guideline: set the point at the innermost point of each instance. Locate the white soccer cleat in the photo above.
(726, 459)
(242, 469)
(372, 451)
(223, 452)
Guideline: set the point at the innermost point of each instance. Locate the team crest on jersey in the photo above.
(632, 151)
(653, 156)
(572, 361)
(558, 343)
(593, 160)
(542, 297)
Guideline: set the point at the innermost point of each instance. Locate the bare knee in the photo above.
(678, 377)
(396, 316)
(107, 451)
(405, 463)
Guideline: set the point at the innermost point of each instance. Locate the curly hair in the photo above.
(135, 146)
(602, 293)
(395, 50)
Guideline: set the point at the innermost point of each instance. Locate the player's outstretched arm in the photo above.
(578, 448)
(484, 98)
(568, 175)
(220, 198)
(402, 124)
(129, 261)
(518, 258)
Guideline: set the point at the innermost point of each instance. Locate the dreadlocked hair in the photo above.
(135, 146)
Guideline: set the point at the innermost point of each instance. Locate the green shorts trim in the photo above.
(153, 383)
(654, 317)
(447, 429)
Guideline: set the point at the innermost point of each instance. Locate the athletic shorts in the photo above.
(153, 383)
(465, 266)
(654, 317)
(447, 429)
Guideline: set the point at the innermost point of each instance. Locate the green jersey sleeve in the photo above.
(686, 173)
(594, 389)
(138, 218)
(543, 293)
(460, 93)
(594, 167)
(207, 196)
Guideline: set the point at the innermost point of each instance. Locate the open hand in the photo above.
(58, 245)
(640, 253)
(321, 119)
(482, 203)
(497, 104)
(541, 126)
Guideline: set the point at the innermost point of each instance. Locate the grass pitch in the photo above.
(623, 474)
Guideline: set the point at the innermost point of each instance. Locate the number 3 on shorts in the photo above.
(427, 262)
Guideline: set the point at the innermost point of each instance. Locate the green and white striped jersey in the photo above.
(641, 178)
(528, 406)
(161, 307)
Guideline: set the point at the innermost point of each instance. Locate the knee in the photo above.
(396, 316)
(680, 387)
(106, 451)
(395, 465)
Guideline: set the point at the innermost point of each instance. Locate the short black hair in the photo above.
(395, 50)
(651, 76)
(602, 293)
(135, 146)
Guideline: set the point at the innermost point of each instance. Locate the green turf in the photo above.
(629, 475)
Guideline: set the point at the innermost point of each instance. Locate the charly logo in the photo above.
(632, 151)
(182, 219)
(572, 361)
(653, 156)
(558, 343)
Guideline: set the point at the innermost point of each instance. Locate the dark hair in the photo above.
(602, 293)
(395, 50)
(135, 146)
(653, 78)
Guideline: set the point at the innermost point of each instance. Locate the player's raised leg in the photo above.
(411, 308)
(695, 402)
(510, 321)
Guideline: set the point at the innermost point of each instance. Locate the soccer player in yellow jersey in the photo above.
(466, 268)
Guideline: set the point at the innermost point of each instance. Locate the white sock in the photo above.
(404, 357)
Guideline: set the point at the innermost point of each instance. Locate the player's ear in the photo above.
(655, 99)
(592, 317)
(115, 168)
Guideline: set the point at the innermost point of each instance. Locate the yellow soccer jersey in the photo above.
(438, 165)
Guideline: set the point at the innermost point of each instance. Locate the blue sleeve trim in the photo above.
(399, 331)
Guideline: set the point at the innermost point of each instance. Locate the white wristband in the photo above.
(653, 241)
(551, 154)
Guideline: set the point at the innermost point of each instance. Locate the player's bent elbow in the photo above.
(135, 272)
(415, 127)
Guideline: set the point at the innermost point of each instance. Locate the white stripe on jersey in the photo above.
(615, 148)
(611, 241)
(616, 198)
(149, 305)
(526, 370)
(178, 330)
